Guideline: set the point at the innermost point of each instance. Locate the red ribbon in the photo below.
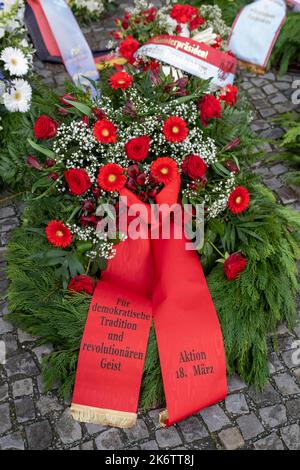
(159, 280)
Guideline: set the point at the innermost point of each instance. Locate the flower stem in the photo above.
(77, 209)
(217, 250)
(9, 198)
(88, 267)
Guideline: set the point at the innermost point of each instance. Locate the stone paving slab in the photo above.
(32, 419)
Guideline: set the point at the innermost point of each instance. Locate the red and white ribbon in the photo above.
(193, 57)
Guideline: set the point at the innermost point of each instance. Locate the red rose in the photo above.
(78, 181)
(137, 149)
(210, 108)
(234, 265)
(194, 167)
(45, 127)
(183, 13)
(128, 48)
(82, 283)
(228, 95)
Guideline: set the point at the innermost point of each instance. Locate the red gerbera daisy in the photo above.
(239, 200)
(58, 234)
(111, 177)
(175, 129)
(122, 80)
(164, 169)
(105, 131)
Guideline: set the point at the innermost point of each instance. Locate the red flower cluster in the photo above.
(239, 200)
(58, 234)
(45, 128)
(68, 97)
(196, 21)
(105, 132)
(149, 15)
(218, 43)
(234, 265)
(231, 166)
(187, 14)
(209, 108)
(128, 48)
(82, 283)
(194, 167)
(111, 177)
(233, 144)
(116, 34)
(98, 113)
(228, 94)
(86, 220)
(121, 80)
(164, 170)
(175, 129)
(136, 182)
(137, 149)
(123, 22)
(63, 101)
(33, 162)
(183, 13)
(78, 181)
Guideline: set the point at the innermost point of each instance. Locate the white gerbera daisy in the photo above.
(14, 61)
(18, 96)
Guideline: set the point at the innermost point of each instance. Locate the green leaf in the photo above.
(49, 153)
(56, 253)
(102, 263)
(83, 108)
(53, 261)
(82, 247)
(217, 226)
(42, 182)
(220, 169)
(75, 267)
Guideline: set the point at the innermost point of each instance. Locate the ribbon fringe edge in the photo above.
(102, 416)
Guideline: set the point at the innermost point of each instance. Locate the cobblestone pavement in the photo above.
(32, 419)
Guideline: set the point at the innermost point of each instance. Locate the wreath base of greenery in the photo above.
(248, 308)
